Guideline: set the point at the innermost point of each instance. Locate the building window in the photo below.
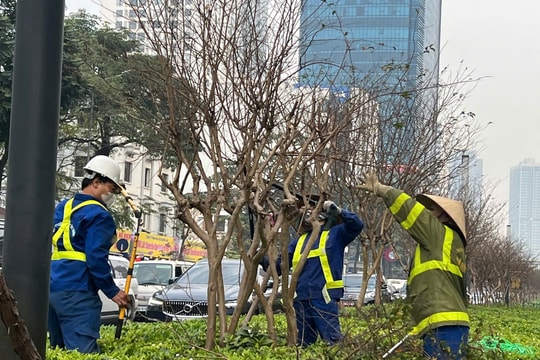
(119, 13)
(120, 3)
(119, 25)
(127, 171)
(146, 220)
(222, 224)
(80, 161)
(147, 177)
(163, 186)
(162, 223)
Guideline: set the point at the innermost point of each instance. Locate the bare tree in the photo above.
(234, 126)
(413, 142)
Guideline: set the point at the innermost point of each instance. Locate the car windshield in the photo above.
(352, 280)
(151, 273)
(198, 274)
(355, 281)
(119, 267)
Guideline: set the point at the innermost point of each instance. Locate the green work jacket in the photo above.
(436, 285)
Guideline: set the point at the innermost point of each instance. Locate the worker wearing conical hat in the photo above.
(436, 286)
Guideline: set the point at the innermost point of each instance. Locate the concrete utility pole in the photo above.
(35, 108)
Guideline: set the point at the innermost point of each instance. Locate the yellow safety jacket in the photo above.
(66, 250)
(320, 252)
(436, 285)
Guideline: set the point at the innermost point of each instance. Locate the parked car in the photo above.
(397, 288)
(186, 298)
(119, 270)
(352, 283)
(351, 290)
(154, 275)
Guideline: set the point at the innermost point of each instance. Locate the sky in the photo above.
(499, 42)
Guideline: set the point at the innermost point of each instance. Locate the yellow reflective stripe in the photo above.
(442, 317)
(68, 255)
(413, 214)
(445, 264)
(298, 251)
(65, 223)
(336, 284)
(447, 245)
(316, 253)
(67, 235)
(398, 203)
(435, 264)
(330, 284)
(320, 252)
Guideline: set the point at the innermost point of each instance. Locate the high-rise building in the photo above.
(524, 205)
(346, 43)
(390, 50)
(467, 177)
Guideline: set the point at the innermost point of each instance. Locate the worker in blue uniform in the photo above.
(83, 234)
(320, 284)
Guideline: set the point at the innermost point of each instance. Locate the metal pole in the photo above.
(32, 164)
(138, 215)
(394, 348)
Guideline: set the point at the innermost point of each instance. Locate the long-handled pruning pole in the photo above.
(389, 352)
(138, 215)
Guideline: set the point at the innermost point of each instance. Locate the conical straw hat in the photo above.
(453, 208)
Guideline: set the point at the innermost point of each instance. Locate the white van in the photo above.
(154, 275)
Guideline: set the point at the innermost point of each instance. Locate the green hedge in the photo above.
(496, 333)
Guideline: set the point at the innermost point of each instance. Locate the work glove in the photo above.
(372, 184)
(329, 205)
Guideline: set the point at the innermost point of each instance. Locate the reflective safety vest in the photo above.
(69, 253)
(320, 252)
(429, 262)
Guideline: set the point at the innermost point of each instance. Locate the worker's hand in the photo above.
(329, 205)
(122, 299)
(372, 184)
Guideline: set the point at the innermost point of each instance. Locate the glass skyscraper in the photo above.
(524, 205)
(388, 49)
(353, 43)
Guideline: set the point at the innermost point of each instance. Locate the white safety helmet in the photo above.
(104, 166)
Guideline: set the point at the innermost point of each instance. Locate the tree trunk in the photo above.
(211, 321)
(18, 332)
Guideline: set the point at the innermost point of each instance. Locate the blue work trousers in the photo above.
(74, 320)
(315, 317)
(447, 343)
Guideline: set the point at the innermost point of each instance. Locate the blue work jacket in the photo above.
(311, 280)
(92, 232)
